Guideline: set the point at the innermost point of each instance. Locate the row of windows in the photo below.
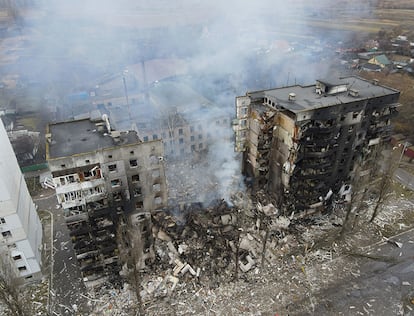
(133, 163)
(76, 195)
(182, 150)
(181, 140)
(137, 191)
(88, 161)
(139, 205)
(135, 178)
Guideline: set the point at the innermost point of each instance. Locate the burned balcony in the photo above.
(314, 173)
(82, 230)
(105, 222)
(322, 127)
(87, 255)
(109, 249)
(76, 218)
(99, 212)
(318, 152)
(96, 205)
(81, 246)
(315, 163)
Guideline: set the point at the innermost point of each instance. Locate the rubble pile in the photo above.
(195, 273)
(206, 247)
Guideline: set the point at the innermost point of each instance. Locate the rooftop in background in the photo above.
(331, 92)
(85, 135)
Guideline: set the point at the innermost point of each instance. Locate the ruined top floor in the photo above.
(86, 135)
(324, 93)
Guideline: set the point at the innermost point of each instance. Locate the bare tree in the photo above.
(130, 250)
(9, 290)
(384, 185)
(352, 207)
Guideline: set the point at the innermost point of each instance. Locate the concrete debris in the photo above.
(249, 264)
(163, 236)
(281, 222)
(196, 272)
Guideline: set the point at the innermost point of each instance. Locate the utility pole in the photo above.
(126, 91)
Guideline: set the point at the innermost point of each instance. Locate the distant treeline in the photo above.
(9, 4)
(396, 4)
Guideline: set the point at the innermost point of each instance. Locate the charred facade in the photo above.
(305, 144)
(103, 180)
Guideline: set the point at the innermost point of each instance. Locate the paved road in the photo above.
(405, 178)
(384, 284)
(67, 285)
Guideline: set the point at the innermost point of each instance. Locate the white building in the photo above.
(20, 227)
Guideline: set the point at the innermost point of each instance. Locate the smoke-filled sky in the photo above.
(230, 46)
(235, 36)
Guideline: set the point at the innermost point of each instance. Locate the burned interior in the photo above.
(304, 143)
(103, 179)
(302, 148)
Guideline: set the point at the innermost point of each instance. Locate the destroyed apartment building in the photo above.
(105, 178)
(307, 144)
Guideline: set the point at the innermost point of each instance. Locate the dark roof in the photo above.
(82, 136)
(372, 67)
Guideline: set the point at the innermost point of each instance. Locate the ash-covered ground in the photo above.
(285, 266)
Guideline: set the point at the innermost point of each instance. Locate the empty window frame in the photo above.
(135, 178)
(6, 234)
(116, 183)
(137, 191)
(139, 205)
(133, 163)
(112, 168)
(117, 196)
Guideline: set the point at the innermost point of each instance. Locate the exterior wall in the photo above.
(20, 226)
(313, 152)
(100, 190)
(187, 137)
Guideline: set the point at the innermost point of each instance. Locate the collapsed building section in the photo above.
(103, 179)
(304, 144)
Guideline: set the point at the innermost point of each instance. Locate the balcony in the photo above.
(321, 153)
(320, 129)
(80, 186)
